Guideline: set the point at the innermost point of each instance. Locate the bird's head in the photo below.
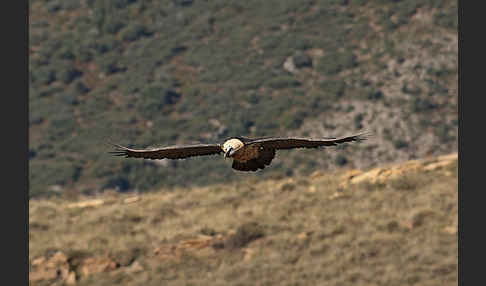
(231, 146)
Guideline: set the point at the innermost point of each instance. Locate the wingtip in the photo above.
(117, 153)
(364, 135)
(119, 150)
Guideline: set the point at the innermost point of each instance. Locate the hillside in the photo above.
(145, 73)
(391, 225)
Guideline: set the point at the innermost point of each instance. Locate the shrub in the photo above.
(183, 2)
(113, 25)
(283, 81)
(111, 65)
(154, 98)
(119, 183)
(70, 74)
(53, 6)
(442, 132)
(413, 90)
(43, 75)
(41, 175)
(341, 160)
(37, 38)
(334, 87)
(61, 126)
(446, 20)
(135, 32)
(288, 187)
(400, 144)
(107, 44)
(407, 182)
(80, 87)
(336, 62)
(374, 95)
(69, 98)
(358, 121)
(50, 91)
(245, 234)
(71, 4)
(422, 104)
(65, 53)
(302, 60)
(292, 121)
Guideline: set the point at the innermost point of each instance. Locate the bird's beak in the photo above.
(228, 153)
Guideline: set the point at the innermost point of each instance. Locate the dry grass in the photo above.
(305, 231)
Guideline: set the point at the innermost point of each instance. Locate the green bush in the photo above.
(135, 32)
(283, 81)
(358, 121)
(442, 132)
(50, 90)
(105, 45)
(71, 4)
(119, 183)
(65, 53)
(423, 104)
(400, 144)
(334, 63)
(447, 20)
(80, 87)
(111, 64)
(53, 6)
(334, 87)
(411, 89)
(43, 75)
(114, 25)
(302, 60)
(37, 38)
(154, 99)
(319, 101)
(69, 74)
(292, 121)
(245, 234)
(44, 175)
(62, 125)
(374, 94)
(341, 160)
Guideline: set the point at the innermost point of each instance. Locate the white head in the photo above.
(231, 146)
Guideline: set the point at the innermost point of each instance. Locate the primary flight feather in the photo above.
(248, 154)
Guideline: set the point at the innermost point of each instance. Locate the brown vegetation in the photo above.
(394, 225)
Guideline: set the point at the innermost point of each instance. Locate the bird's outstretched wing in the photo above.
(171, 152)
(290, 143)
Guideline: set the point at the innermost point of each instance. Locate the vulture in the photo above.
(248, 154)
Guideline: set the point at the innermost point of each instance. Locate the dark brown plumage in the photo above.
(248, 154)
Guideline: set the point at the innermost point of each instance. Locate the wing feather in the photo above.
(171, 152)
(291, 143)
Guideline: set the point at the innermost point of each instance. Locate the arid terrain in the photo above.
(392, 225)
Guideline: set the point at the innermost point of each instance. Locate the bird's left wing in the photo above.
(290, 143)
(171, 152)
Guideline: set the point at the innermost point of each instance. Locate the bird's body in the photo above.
(248, 154)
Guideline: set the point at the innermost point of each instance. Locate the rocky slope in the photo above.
(156, 73)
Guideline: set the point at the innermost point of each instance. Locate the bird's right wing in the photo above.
(290, 143)
(171, 152)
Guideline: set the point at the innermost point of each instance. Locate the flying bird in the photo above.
(248, 154)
